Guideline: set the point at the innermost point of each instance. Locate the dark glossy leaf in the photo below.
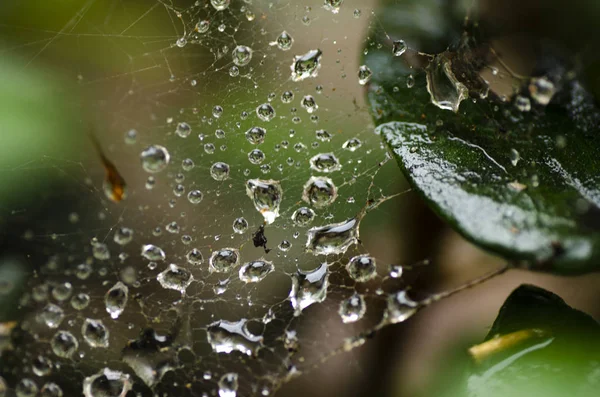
(540, 208)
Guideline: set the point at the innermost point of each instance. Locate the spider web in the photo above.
(158, 69)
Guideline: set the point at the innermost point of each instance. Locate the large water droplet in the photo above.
(308, 288)
(220, 171)
(51, 315)
(228, 385)
(309, 103)
(95, 333)
(444, 88)
(41, 366)
(319, 191)
(107, 383)
(155, 158)
(265, 112)
(266, 196)
(256, 135)
(333, 5)
(284, 41)
(183, 129)
(225, 337)
(223, 260)
(175, 277)
(306, 65)
(362, 268)
(123, 235)
(325, 162)
(400, 307)
(220, 5)
(64, 344)
(115, 299)
(51, 389)
(353, 308)
(153, 252)
(242, 55)
(26, 388)
(333, 239)
(255, 271)
(542, 90)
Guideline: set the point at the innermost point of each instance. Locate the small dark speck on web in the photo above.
(259, 239)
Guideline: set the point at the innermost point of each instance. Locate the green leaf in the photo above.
(542, 211)
(563, 362)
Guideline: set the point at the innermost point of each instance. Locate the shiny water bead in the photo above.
(306, 65)
(187, 164)
(352, 144)
(265, 112)
(240, 225)
(284, 245)
(515, 156)
(255, 271)
(123, 235)
(183, 130)
(195, 196)
(223, 260)
(364, 74)
(80, 301)
(410, 81)
(226, 337)
(284, 41)
(209, 148)
(303, 216)
(242, 55)
(220, 171)
(26, 388)
(256, 156)
(228, 385)
(194, 257)
(541, 90)
(41, 366)
(51, 315)
(287, 97)
(202, 26)
(51, 389)
(353, 308)
(256, 135)
(100, 250)
(95, 333)
(107, 383)
(396, 271)
(155, 158)
(362, 268)
(308, 288)
(266, 195)
(308, 102)
(153, 252)
(399, 47)
(325, 162)
(175, 277)
(333, 239)
(400, 307)
(115, 300)
(323, 135)
(333, 5)
(83, 270)
(220, 5)
(64, 344)
(522, 103)
(319, 191)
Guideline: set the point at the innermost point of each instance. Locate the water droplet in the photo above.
(333, 239)
(51, 389)
(64, 344)
(153, 252)
(107, 383)
(444, 88)
(319, 191)
(116, 299)
(522, 103)
(195, 196)
(219, 171)
(242, 55)
(220, 5)
(41, 366)
(308, 288)
(308, 102)
(100, 251)
(325, 162)
(175, 277)
(333, 5)
(353, 308)
(256, 135)
(514, 157)
(26, 388)
(256, 156)
(284, 246)
(255, 271)
(303, 216)
(202, 26)
(266, 196)
(194, 257)
(228, 385)
(155, 158)
(399, 47)
(400, 307)
(51, 315)
(357, 13)
(95, 333)
(240, 225)
(323, 135)
(123, 235)
(306, 65)
(80, 301)
(364, 74)
(223, 260)
(225, 337)
(541, 90)
(284, 41)
(183, 130)
(396, 271)
(352, 144)
(287, 97)
(265, 112)
(362, 268)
